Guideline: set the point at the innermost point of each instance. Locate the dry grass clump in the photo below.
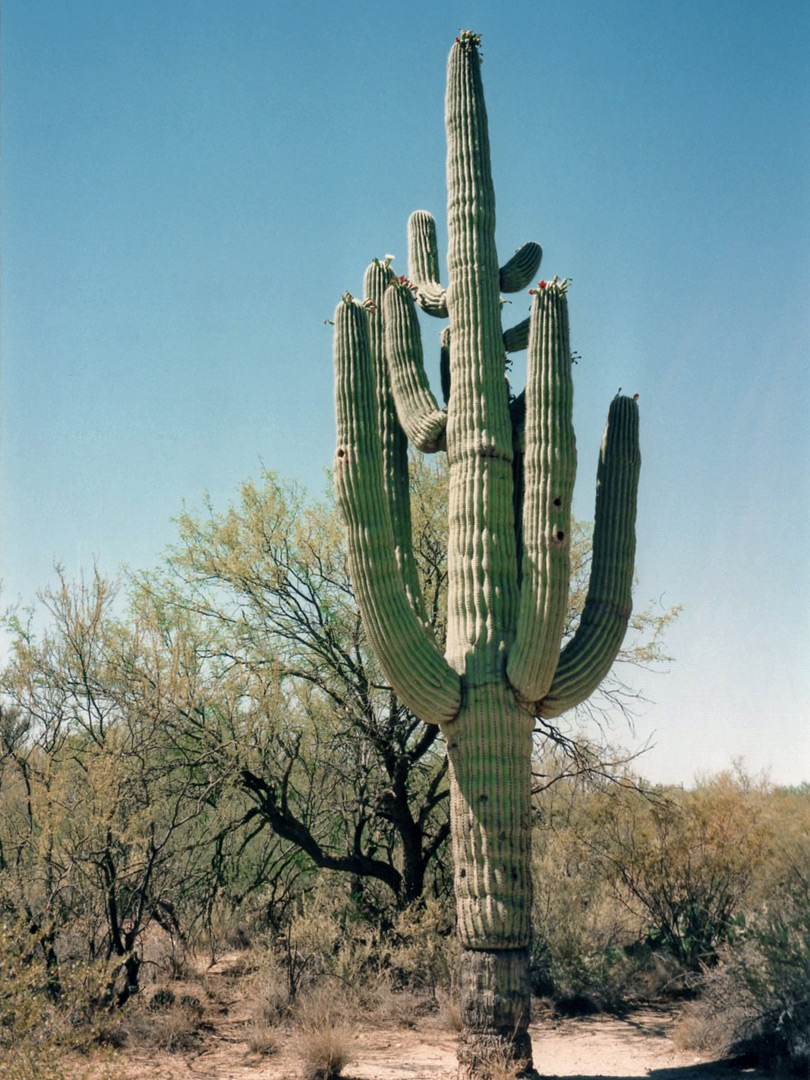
(504, 1068)
(449, 1012)
(326, 1037)
(382, 1002)
(166, 1022)
(326, 1051)
(268, 988)
(261, 1039)
(495, 1063)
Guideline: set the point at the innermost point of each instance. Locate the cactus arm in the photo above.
(423, 264)
(419, 414)
(516, 338)
(418, 673)
(586, 659)
(517, 414)
(521, 268)
(550, 458)
(393, 442)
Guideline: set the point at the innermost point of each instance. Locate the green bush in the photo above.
(581, 930)
(37, 1024)
(757, 999)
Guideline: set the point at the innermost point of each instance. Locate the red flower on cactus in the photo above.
(541, 284)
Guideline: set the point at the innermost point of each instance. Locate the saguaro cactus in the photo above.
(512, 463)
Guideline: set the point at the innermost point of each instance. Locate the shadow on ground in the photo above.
(714, 1070)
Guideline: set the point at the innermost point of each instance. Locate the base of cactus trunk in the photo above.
(495, 1010)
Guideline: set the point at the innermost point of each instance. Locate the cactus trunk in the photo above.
(512, 466)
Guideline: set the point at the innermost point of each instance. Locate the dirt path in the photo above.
(634, 1047)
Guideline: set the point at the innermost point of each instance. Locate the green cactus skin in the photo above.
(423, 264)
(549, 469)
(393, 441)
(423, 421)
(512, 466)
(521, 268)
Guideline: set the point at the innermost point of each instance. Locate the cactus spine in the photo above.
(512, 466)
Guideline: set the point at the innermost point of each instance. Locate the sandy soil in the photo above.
(633, 1047)
(414, 1046)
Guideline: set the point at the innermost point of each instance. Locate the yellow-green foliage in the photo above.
(325, 939)
(636, 887)
(35, 1027)
(423, 950)
(756, 997)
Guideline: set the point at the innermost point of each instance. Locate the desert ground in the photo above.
(632, 1047)
(406, 1041)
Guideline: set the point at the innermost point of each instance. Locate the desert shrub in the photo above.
(683, 863)
(328, 947)
(324, 941)
(30, 1010)
(161, 1000)
(27, 1062)
(638, 890)
(267, 985)
(36, 1023)
(580, 927)
(421, 952)
(171, 1024)
(326, 938)
(757, 998)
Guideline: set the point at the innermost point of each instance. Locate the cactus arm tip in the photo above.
(587, 658)
(423, 264)
(393, 441)
(516, 274)
(419, 414)
(418, 672)
(549, 470)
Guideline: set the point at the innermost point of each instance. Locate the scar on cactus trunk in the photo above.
(512, 463)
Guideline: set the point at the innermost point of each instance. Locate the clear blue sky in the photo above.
(188, 188)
